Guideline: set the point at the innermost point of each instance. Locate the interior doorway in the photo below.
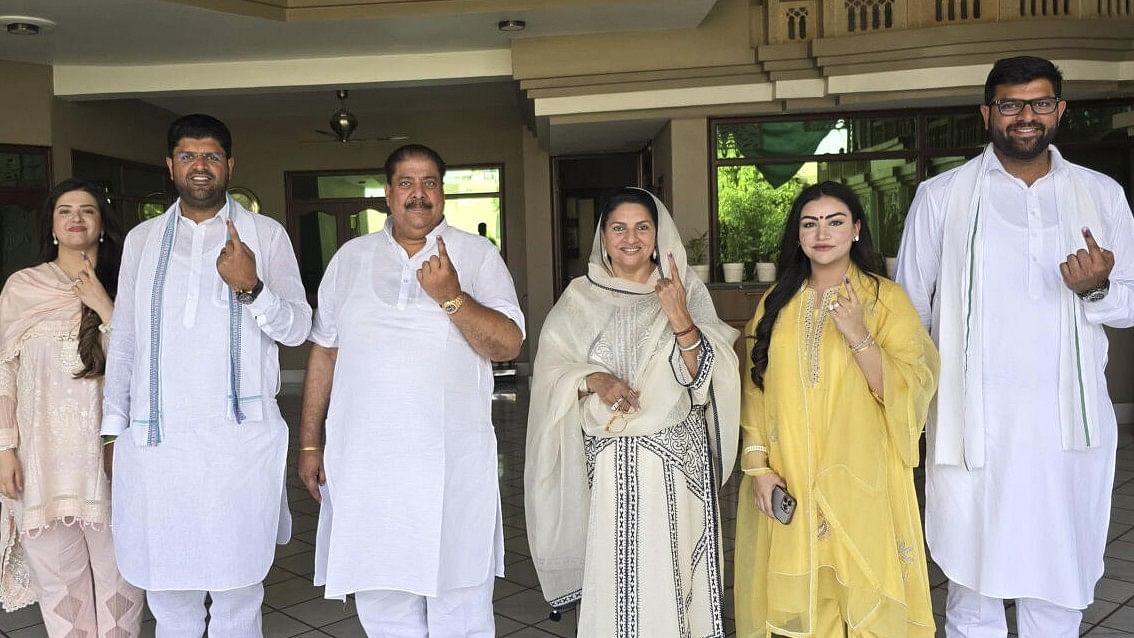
(579, 183)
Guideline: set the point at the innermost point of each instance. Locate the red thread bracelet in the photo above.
(686, 331)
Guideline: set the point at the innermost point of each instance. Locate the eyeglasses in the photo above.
(1040, 105)
(188, 157)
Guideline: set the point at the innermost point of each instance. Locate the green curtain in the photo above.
(772, 139)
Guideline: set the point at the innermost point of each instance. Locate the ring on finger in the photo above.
(831, 307)
(617, 404)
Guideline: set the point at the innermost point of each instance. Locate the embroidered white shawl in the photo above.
(557, 496)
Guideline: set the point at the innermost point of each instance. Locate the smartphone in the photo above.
(783, 505)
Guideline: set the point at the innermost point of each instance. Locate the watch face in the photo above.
(1098, 294)
(245, 297)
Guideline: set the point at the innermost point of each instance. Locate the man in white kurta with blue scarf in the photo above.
(205, 292)
(1007, 260)
(409, 320)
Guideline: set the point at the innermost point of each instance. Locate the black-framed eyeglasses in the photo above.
(188, 157)
(1040, 105)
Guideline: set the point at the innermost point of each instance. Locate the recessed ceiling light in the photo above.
(26, 25)
(511, 25)
(23, 28)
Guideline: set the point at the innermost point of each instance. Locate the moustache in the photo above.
(1036, 125)
(422, 204)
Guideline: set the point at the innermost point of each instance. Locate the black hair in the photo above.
(626, 195)
(198, 126)
(1022, 70)
(794, 267)
(91, 352)
(407, 151)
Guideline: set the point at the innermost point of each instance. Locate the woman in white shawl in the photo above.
(633, 427)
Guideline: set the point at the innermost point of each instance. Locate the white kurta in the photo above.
(411, 501)
(1032, 522)
(202, 510)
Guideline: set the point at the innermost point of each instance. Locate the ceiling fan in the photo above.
(343, 123)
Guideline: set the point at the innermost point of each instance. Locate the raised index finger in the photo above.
(234, 236)
(1089, 237)
(851, 294)
(442, 252)
(673, 274)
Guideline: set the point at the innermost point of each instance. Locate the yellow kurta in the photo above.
(848, 460)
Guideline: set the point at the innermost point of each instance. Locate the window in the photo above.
(137, 191)
(761, 164)
(328, 208)
(25, 178)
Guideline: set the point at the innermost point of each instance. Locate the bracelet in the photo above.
(696, 344)
(866, 342)
(104, 328)
(681, 333)
(108, 439)
(313, 448)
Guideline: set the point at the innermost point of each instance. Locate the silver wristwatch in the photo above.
(1098, 293)
(248, 296)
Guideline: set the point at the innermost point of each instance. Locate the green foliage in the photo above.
(751, 213)
(696, 250)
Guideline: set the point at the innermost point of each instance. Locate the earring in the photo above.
(54, 239)
(856, 237)
(102, 238)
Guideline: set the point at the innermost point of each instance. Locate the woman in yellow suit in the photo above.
(841, 379)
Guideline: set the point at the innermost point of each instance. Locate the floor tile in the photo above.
(321, 612)
(277, 625)
(295, 608)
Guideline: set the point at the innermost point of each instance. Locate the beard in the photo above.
(212, 194)
(1019, 149)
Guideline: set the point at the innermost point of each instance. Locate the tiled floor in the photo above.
(293, 607)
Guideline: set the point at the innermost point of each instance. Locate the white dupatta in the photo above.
(557, 495)
(959, 420)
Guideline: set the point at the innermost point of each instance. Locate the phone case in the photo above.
(783, 505)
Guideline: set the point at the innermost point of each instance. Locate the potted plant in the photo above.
(734, 252)
(766, 246)
(697, 255)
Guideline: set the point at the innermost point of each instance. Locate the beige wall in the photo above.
(540, 238)
(689, 166)
(680, 154)
(25, 104)
(1120, 367)
(125, 129)
(722, 39)
(661, 156)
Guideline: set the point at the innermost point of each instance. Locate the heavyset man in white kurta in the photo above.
(1006, 259)
(408, 323)
(205, 292)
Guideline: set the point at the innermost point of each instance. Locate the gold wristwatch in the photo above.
(453, 305)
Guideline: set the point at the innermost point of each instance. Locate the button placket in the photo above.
(193, 291)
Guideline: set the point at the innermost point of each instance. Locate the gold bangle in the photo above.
(315, 448)
(861, 346)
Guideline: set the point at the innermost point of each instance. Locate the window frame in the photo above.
(920, 153)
